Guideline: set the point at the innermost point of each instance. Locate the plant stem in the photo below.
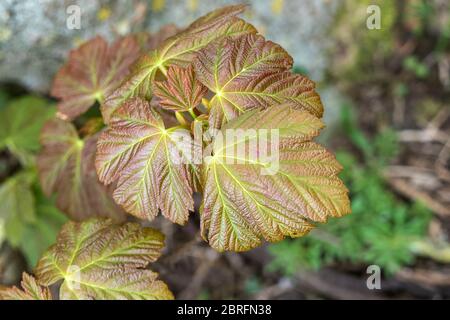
(163, 70)
(180, 118)
(192, 113)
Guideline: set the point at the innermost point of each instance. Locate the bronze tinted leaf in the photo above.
(249, 197)
(92, 72)
(151, 164)
(177, 50)
(31, 290)
(155, 39)
(100, 260)
(66, 167)
(181, 91)
(250, 72)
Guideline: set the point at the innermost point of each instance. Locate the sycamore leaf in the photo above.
(20, 124)
(17, 207)
(66, 167)
(177, 50)
(31, 290)
(100, 260)
(181, 91)
(151, 164)
(257, 195)
(153, 40)
(249, 72)
(92, 72)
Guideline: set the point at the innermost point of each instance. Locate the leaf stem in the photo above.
(163, 70)
(192, 113)
(180, 118)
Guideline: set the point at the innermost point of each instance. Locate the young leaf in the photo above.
(66, 167)
(92, 72)
(181, 91)
(150, 163)
(31, 290)
(242, 205)
(177, 50)
(100, 260)
(17, 205)
(250, 72)
(20, 124)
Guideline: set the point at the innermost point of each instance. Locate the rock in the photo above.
(35, 39)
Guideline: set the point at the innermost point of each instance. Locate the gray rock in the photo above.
(34, 37)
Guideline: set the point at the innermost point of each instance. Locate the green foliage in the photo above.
(17, 207)
(414, 65)
(253, 285)
(358, 47)
(20, 124)
(381, 228)
(40, 234)
(28, 220)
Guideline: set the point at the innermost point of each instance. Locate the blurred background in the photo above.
(386, 92)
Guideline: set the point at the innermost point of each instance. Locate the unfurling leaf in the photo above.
(181, 91)
(92, 72)
(250, 72)
(31, 290)
(151, 164)
(254, 196)
(100, 260)
(66, 167)
(177, 50)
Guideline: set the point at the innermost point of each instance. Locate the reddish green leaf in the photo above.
(100, 260)
(31, 290)
(66, 167)
(249, 72)
(92, 72)
(243, 205)
(177, 50)
(150, 163)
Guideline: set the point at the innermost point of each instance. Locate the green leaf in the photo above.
(100, 260)
(2, 230)
(250, 72)
(66, 167)
(39, 235)
(17, 205)
(20, 124)
(151, 164)
(249, 197)
(30, 291)
(92, 72)
(177, 50)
